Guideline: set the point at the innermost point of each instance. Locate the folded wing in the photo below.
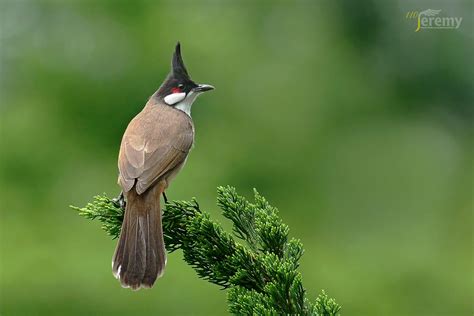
(156, 142)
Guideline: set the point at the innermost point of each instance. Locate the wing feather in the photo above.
(156, 142)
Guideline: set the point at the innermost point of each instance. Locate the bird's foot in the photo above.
(119, 201)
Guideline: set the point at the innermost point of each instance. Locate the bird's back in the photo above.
(155, 141)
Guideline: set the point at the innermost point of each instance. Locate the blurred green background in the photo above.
(357, 128)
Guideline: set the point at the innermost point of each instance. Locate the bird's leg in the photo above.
(165, 198)
(119, 201)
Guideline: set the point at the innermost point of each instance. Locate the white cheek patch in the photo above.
(174, 98)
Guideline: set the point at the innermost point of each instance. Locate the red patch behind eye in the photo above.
(176, 90)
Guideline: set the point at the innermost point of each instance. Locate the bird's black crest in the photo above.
(177, 64)
(177, 76)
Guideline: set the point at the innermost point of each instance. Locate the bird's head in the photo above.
(178, 89)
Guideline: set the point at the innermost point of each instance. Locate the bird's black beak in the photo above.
(203, 88)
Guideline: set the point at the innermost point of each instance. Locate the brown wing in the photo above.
(156, 141)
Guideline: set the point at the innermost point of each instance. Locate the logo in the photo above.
(431, 19)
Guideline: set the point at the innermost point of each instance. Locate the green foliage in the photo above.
(325, 305)
(106, 211)
(261, 276)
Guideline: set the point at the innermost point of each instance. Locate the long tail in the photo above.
(140, 256)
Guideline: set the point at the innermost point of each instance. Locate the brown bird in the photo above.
(154, 148)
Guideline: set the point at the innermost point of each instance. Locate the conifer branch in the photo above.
(260, 274)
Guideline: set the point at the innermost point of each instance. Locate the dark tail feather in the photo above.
(140, 256)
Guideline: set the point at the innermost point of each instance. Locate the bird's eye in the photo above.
(181, 86)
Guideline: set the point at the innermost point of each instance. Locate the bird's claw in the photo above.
(119, 201)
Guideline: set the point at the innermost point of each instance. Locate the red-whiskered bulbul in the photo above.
(154, 148)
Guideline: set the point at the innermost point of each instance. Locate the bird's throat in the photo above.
(186, 104)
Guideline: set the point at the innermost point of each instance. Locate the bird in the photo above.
(154, 148)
